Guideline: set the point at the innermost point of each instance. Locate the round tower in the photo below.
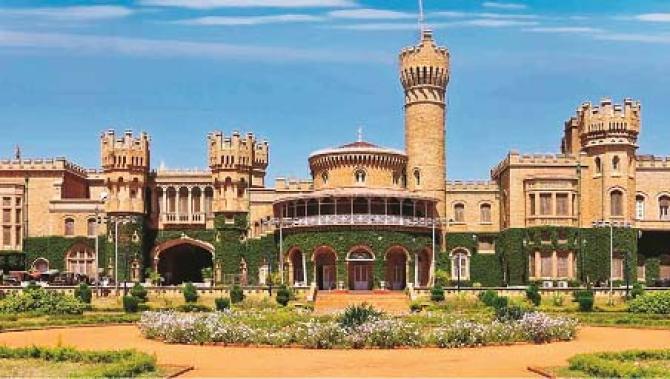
(424, 74)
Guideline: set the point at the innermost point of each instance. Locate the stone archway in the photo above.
(182, 260)
(325, 267)
(296, 264)
(360, 267)
(422, 266)
(396, 264)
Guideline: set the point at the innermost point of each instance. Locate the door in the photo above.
(328, 277)
(361, 277)
(398, 277)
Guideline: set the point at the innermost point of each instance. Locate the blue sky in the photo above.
(305, 74)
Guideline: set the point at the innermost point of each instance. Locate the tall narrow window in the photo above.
(563, 268)
(598, 164)
(459, 212)
(460, 266)
(545, 204)
(616, 203)
(546, 267)
(417, 177)
(664, 207)
(562, 204)
(359, 175)
(639, 207)
(615, 164)
(617, 266)
(531, 199)
(91, 227)
(485, 213)
(69, 227)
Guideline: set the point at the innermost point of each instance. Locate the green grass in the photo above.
(625, 319)
(28, 321)
(624, 364)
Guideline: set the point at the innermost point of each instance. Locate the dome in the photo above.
(359, 146)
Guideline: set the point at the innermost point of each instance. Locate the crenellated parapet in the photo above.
(472, 186)
(424, 71)
(604, 124)
(43, 164)
(514, 158)
(652, 162)
(300, 185)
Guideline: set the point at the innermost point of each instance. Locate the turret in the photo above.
(424, 74)
(125, 164)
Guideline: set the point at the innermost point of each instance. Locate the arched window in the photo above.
(615, 164)
(485, 213)
(80, 260)
(459, 212)
(460, 265)
(324, 177)
(616, 203)
(664, 207)
(639, 207)
(417, 177)
(91, 227)
(359, 175)
(598, 165)
(69, 227)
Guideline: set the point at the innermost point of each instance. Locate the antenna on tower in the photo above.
(422, 19)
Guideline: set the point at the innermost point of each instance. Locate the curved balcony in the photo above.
(362, 219)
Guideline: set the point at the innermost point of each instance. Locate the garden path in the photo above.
(227, 361)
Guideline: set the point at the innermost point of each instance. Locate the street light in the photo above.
(118, 220)
(611, 225)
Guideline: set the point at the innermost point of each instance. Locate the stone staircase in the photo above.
(393, 302)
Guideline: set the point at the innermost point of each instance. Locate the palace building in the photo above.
(369, 217)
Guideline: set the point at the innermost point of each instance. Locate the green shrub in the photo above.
(500, 302)
(83, 293)
(130, 304)
(193, 307)
(557, 300)
(437, 293)
(637, 290)
(511, 312)
(356, 315)
(139, 292)
(40, 301)
(236, 294)
(222, 303)
(623, 364)
(488, 297)
(533, 294)
(190, 293)
(585, 299)
(283, 295)
(415, 306)
(652, 302)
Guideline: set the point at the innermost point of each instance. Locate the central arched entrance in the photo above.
(360, 264)
(325, 269)
(180, 261)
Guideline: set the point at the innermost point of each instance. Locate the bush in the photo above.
(437, 293)
(638, 290)
(193, 307)
(222, 303)
(500, 302)
(415, 306)
(557, 300)
(357, 315)
(488, 297)
(190, 293)
(130, 304)
(83, 293)
(533, 294)
(511, 312)
(139, 292)
(40, 301)
(236, 294)
(283, 295)
(653, 302)
(585, 299)
(623, 364)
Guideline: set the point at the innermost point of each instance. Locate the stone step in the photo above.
(394, 302)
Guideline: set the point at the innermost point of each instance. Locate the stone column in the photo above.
(202, 201)
(416, 270)
(189, 208)
(304, 268)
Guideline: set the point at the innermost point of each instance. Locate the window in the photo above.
(417, 177)
(6, 201)
(616, 203)
(69, 227)
(91, 227)
(485, 213)
(324, 177)
(80, 260)
(459, 212)
(531, 198)
(460, 266)
(562, 204)
(563, 267)
(664, 207)
(546, 267)
(598, 165)
(532, 264)
(641, 272)
(545, 204)
(359, 176)
(6, 216)
(7, 236)
(639, 207)
(486, 245)
(617, 266)
(615, 164)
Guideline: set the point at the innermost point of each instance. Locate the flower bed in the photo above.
(238, 328)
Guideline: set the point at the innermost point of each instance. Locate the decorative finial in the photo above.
(17, 152)
(421, 18)
(360, 134)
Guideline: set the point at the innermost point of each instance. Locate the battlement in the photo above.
(514, 158)
(651, 161)
(126, 152)
(426, 53)
(607, 118)
(424, 65)
(284, 184)
(229, 152)
(42, 164)
(471, 186)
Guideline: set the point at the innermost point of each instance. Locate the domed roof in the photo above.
(359, 146)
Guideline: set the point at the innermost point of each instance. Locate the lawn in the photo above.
(630, 363)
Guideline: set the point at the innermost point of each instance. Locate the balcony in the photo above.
(357, 219)
(551, 220)
(185, 219)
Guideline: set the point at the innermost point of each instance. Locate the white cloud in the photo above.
(635, 37)
(380, 26)
(370, 14)
(496, 5)
(492, 23)
(476, 23)
(250, 20)
(211, 4)
(161, 48)
(653, 17)
(485, 15)
(94, 12)
(564, 30)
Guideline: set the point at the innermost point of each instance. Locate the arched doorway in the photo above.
(80, 260)
(422, 267)
(360, 262)
(325, 268)
(182, 260)
(396, 268)
(296, 266)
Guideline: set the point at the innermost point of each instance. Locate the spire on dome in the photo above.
(360, 134)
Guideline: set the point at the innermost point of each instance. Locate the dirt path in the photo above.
(224, 361)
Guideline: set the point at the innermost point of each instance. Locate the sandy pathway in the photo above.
(224, 361)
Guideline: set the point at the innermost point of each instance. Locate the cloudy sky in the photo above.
(306, 74)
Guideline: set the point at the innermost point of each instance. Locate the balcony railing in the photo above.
(357, 219)
(551, 220)
(192, 218)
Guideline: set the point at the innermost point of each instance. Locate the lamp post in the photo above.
(610, 225)
(118, 220)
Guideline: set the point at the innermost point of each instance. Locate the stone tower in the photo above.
(605, 139)
(237, 163)
(125, 165)
(424, 73)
